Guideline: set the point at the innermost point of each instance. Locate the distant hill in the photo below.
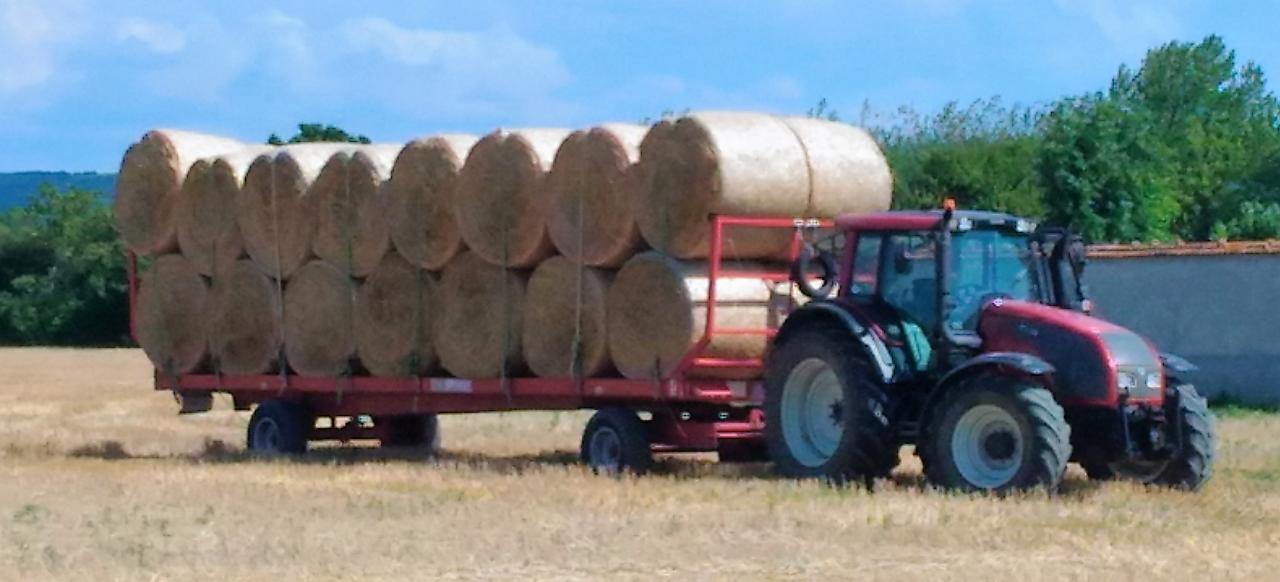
(16, 187)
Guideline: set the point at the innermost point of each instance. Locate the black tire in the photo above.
(615, 442)
(1042, 433)
(277, 428)
(1195, 431)
(800, 272)
(411, 430)
(865, 446)
(1097, 471)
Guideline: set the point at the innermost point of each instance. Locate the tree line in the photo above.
(1184, 147)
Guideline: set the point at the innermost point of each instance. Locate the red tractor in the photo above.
(968, 334)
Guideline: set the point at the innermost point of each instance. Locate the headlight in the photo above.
(1126, 381)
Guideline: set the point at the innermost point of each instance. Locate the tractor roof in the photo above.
(918, 219)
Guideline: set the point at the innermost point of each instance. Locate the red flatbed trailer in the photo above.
(684, 414)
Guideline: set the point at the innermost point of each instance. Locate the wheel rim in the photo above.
(987, 446)
(605, 450)
(812, 412)
(266, 436)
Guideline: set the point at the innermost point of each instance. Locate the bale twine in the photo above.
(420, 199)
(147, 188)
(206, 210)
(565, 332)
(243, 315)
(499, 205)
(849, 172)
(477, 334)
(275, 221)
(657, 312)
(171, 326)
(590, 218)
(318, 304)
(351, 215)
(395, 309)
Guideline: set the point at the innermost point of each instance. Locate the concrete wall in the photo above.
(1222, 312)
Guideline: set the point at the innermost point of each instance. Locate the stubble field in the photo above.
(100, 479)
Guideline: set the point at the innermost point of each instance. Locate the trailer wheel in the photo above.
(615, 442)
(411, 430)
(278, 427)
(826, 415)
(997, 434)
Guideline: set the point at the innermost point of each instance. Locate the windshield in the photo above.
(987, 264)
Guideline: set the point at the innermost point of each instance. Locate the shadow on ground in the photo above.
(216, 451)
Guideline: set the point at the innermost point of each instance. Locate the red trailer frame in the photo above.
(684, 413)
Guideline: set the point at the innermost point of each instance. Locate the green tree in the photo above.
(1102, 172)
(316, 132)
(1184, 147)
(62, 278)
(982, 154)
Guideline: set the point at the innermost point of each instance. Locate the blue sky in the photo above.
(80, 79)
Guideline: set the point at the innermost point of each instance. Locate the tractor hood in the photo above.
(1098, 362)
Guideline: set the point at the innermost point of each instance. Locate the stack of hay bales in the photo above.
(526, 252)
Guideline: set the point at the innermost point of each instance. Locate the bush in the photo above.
(62, 275)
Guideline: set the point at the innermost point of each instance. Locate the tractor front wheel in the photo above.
(997, 434)
(1193, 433)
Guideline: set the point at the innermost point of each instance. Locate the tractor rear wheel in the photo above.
(997, 434)
(826, 414)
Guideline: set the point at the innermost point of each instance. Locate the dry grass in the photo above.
(99, 479)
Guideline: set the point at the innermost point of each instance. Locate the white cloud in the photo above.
(1131, 27)
(496, 63)
(34, 36)
(158, 37)
(213, 57)
(290, 54)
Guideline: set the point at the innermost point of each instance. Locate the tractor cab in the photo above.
(968, 334)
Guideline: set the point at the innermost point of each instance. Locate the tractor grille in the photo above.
(1138, 362)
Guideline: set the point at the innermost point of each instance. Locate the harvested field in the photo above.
(100, 480)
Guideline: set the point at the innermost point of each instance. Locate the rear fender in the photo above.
(828, 312)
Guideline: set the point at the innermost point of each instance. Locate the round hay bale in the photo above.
(420, 199)
(395, 308)
(590, 218)
(477, 334)
(206, 210)
(318, 304)
(558, 328)
(170, 315)
(848, 171)
(244, 320)
(657, 312)
(499, 204)
(718, 163)
(147, 188)
(275, 220)
(351, 215)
